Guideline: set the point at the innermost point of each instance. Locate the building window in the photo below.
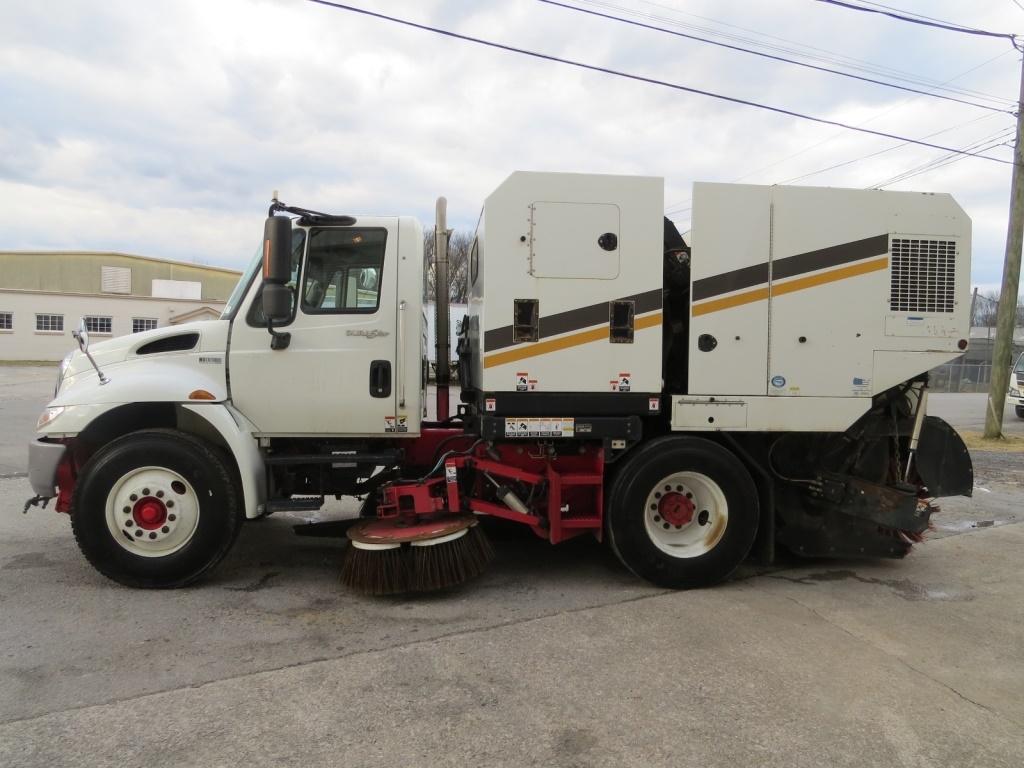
(6, 321)
(50, 323)
(143, 324)
(98, 324)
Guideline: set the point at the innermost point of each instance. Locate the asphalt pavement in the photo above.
(554, 657)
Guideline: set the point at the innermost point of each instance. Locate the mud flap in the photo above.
(943, 461)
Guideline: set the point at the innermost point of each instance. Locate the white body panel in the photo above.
(538, 240)
(843, 293)
(319, 384)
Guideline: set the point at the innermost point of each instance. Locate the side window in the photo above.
(474, 262)
(256, 316)
(343, 271)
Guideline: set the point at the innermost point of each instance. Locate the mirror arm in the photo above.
(85, 349)
(279, 340)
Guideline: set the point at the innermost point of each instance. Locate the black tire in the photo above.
(635, 484)
(210, 501)
(1020, 411)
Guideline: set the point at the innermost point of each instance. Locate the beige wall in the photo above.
(80, 271)
(24, 342)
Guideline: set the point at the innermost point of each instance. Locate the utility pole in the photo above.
(1007, 310)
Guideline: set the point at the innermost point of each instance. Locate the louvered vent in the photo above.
(923, 275)
(115, 279)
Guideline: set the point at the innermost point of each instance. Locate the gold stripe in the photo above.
(780, 289)
(730, 301)
(565, 342)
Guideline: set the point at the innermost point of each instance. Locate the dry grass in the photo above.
(1005, 444)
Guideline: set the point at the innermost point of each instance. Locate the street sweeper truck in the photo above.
(691, 402)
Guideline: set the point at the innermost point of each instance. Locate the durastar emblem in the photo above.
(373, 334)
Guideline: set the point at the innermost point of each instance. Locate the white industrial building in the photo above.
(44, 295)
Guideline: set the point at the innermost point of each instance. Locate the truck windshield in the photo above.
(243, 283)
(1019, 367)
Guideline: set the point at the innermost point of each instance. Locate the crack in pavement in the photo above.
(904, 662)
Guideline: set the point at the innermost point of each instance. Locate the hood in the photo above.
(198, 336)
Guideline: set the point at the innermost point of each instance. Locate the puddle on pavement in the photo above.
(904, 588)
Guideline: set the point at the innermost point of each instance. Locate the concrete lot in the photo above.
(554, 657)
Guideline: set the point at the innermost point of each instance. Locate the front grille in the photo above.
(923, 275)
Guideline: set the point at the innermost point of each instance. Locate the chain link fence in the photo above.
(961, 377)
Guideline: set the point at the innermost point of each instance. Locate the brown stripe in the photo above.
(573, 319)
(780, 289)
(791, 266)
(726, 282)
(544, 347)
(830, 257)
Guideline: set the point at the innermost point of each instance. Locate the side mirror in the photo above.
(82, 336)
(277, 301)
(277, 250)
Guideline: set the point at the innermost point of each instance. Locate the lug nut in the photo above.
(127, 510)
(138, 534)
(165, 529)
(170, 503)
(152, 535)
(665, 526)
(145, 491)
(657, 518)
(134, 497)
(172, 518)
(159, 494)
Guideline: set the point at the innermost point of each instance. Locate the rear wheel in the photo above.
(155, 509)
(682, 512)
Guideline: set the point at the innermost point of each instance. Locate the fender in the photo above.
(236, 431)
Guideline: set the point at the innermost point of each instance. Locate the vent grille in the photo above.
(923, 275)
(115, 279)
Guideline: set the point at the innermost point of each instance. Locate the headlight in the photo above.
(49, 415)
(1014, 392)
(61, 370)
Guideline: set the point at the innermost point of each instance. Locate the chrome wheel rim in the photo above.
(686, 514)
(152, 511)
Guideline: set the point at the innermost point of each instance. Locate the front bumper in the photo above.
(43, 458)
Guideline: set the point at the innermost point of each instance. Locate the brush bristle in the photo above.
(454, 562)
(417, 569)
(376, 572)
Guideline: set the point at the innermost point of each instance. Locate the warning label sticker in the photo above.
(399, 423)
(522, 381)
(490, 404)
(546, 427)
(622, 384)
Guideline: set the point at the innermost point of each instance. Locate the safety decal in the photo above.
(522, 381)
(490, 404)
(622, 383)
(653, 404)
(451, 473)
(778, 381)
(399, 423)
(861, 386)
(546, 427)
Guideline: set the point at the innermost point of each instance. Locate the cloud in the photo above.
(162, 129)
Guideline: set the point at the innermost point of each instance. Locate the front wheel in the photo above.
(1020, 411)
(155, 509)
(682, 512)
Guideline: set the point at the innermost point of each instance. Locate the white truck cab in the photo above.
(1015, 393)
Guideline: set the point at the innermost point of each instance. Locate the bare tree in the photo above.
(459, 246)
(986, 307)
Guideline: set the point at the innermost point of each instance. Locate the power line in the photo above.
(981, 145)
(678, 209)
(875, 154)
(831, 57)
(687, 36)
(922, 20)
(672, 208)
(1017, 3)
(641, 78)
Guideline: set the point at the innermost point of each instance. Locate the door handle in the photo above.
(380, 378)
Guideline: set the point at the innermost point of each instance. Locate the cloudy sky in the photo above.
(162, 128)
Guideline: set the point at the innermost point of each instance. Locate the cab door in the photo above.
(337, 375)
